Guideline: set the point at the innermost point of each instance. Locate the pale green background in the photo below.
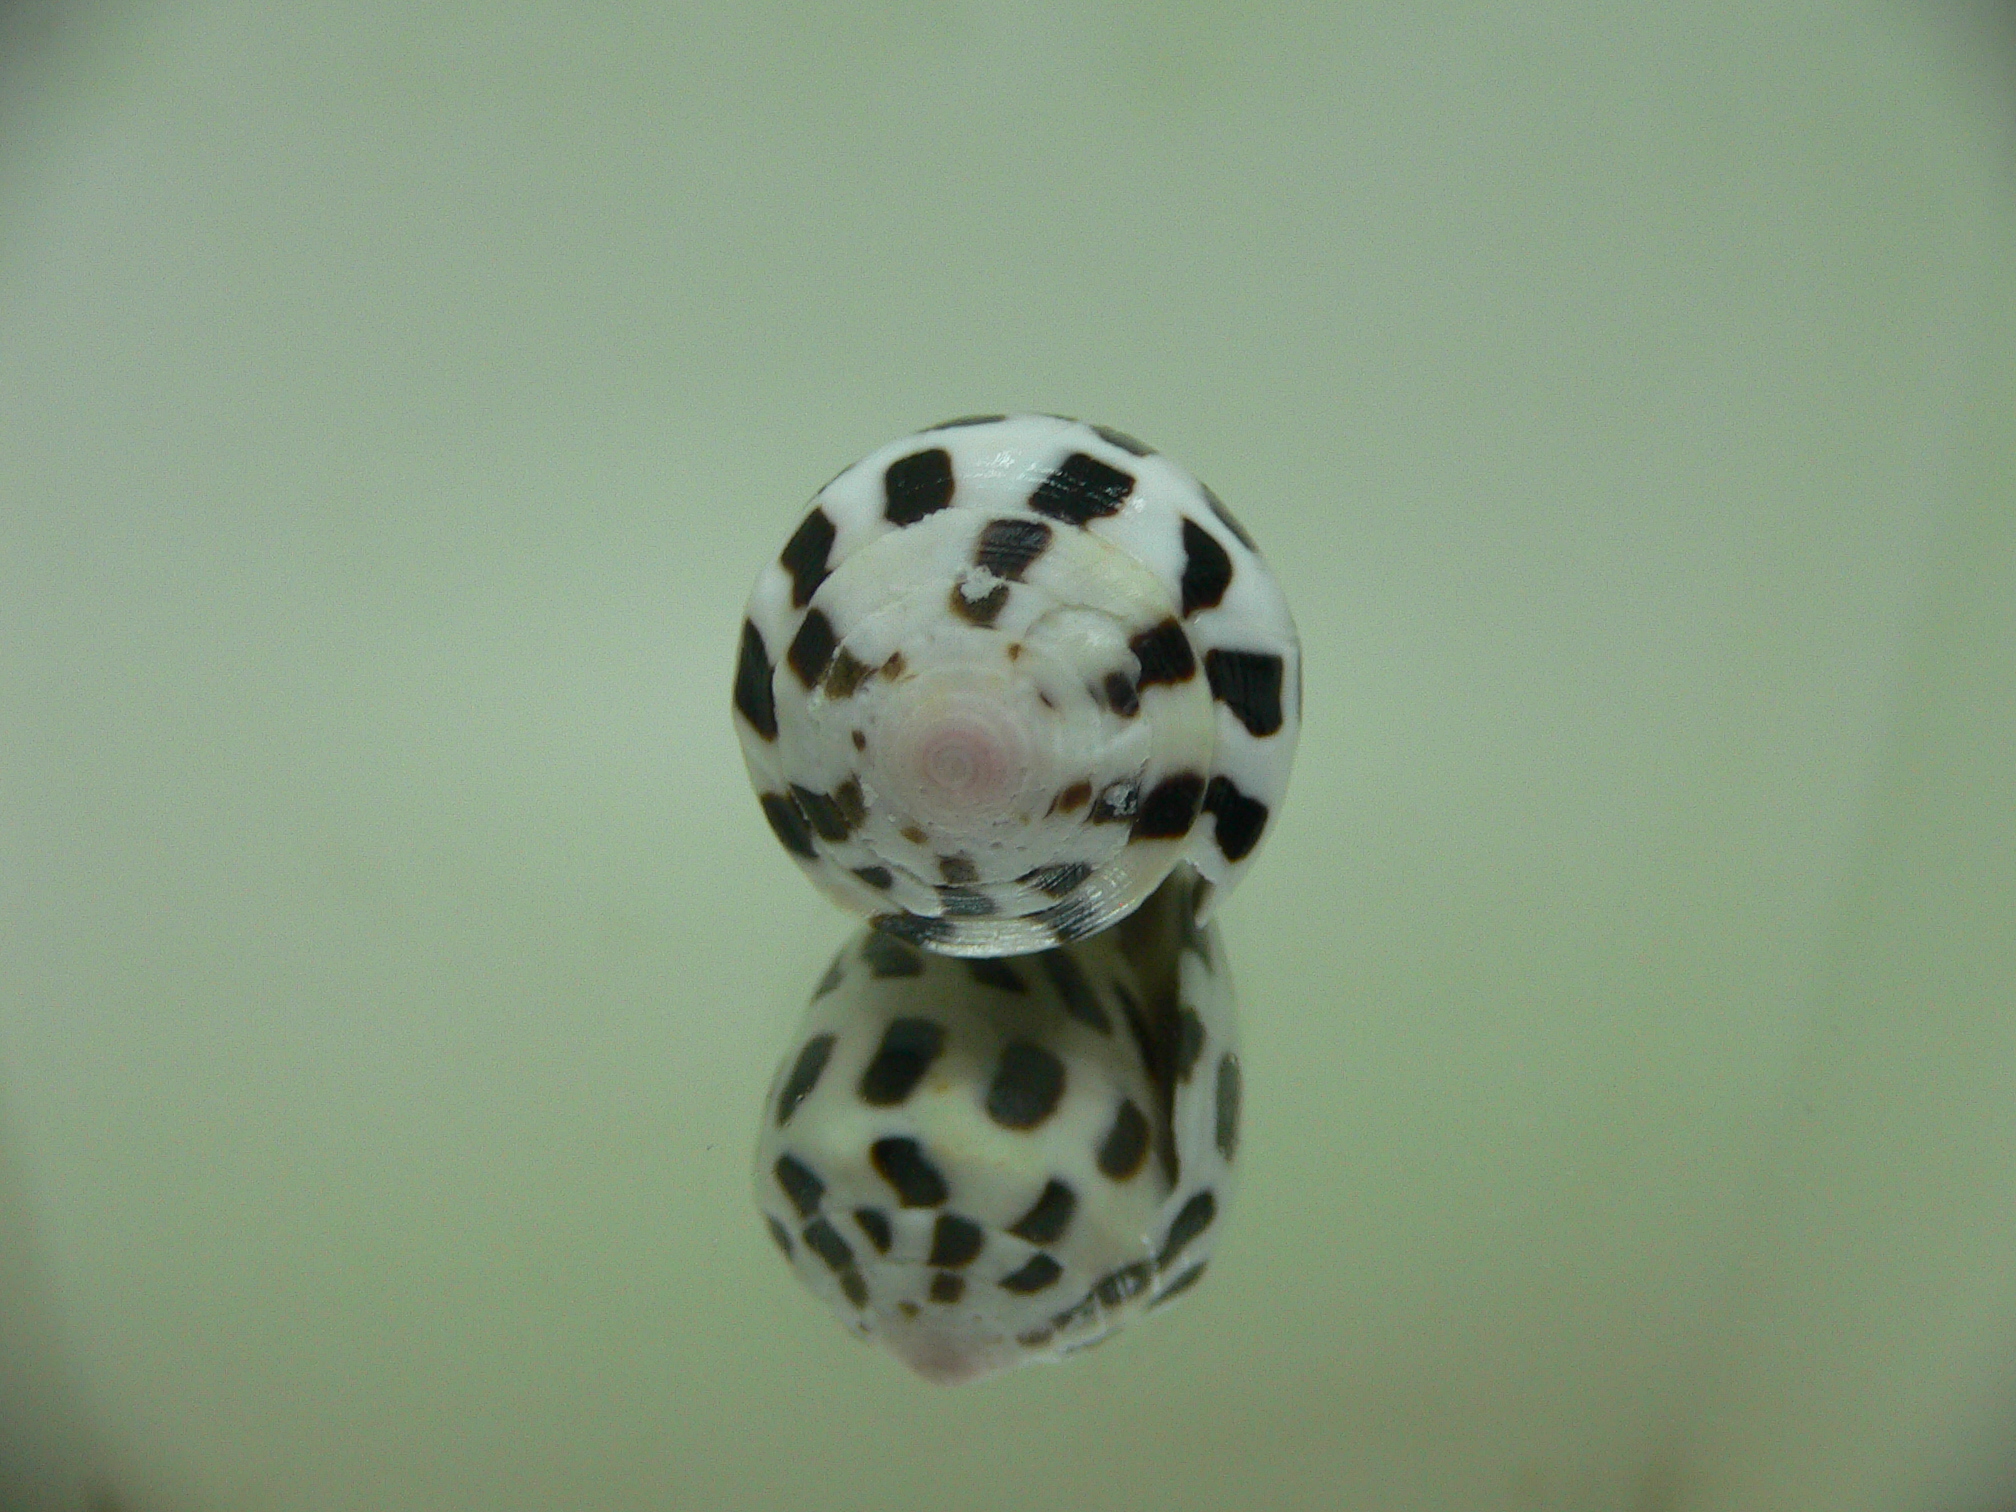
(395, 404)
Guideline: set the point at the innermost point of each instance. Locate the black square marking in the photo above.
(998, 974)
(812, 648)
(1028, 1081)
(1125, 1148)
(1240, 819)
(1036, 1273)
(1049, 1216)
(824, 1241)
(804, 557)
(1081, 489)
(753, 695)
(805, 1074)
(1195, 1217)
(1120, 695)
(919, 929)
(1123, 1284)
(909, 1046)
(827, 813)
(1228, 1095)
(1207, 570)
(1249, 684)
(955, 1241)
(917, 485)
(788, 825)
(800, 1184)
(902, 1164)
(1164, 654)
(890, 958)
(1007, 547)
(1170, 809)
(875, 1224)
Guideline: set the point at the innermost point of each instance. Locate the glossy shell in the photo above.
(982, 1163)
(1006, 675)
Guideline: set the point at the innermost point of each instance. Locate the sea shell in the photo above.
(981, 1163)
(1006, 675)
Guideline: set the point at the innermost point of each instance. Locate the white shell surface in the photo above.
(981, 1163)
(1007, 673)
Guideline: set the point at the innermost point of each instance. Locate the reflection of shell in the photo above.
(985, 1162)
(1007, 674)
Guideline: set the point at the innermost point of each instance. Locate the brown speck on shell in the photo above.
(981, 611)
(845, 674)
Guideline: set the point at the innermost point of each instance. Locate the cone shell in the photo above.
(981, 1163)
(1006, 675)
